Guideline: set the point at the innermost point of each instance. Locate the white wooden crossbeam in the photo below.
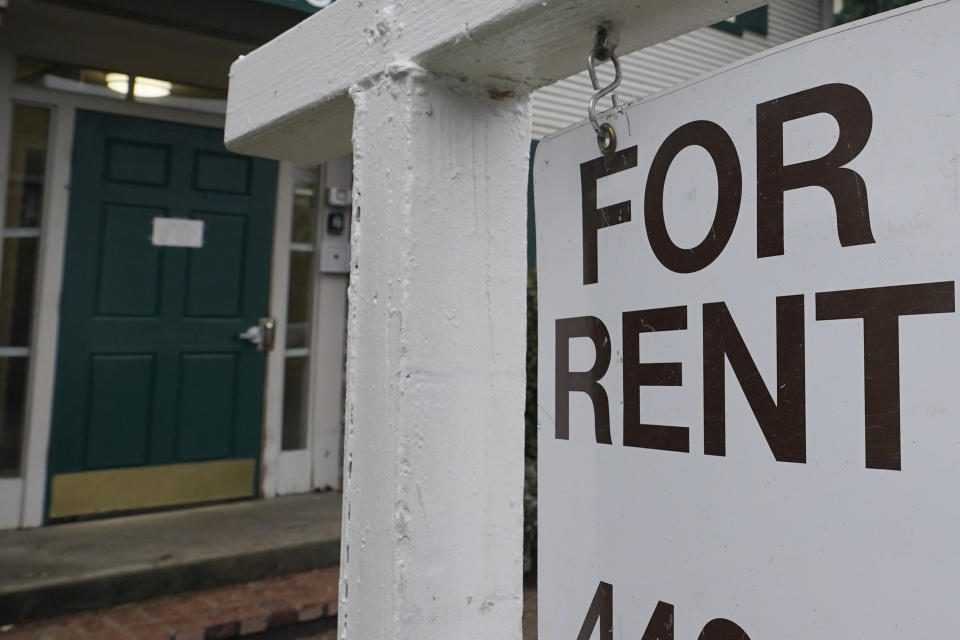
(289, 99)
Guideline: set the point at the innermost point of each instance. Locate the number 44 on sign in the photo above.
(660, 626)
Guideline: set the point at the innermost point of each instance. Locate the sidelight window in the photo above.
(18, 266)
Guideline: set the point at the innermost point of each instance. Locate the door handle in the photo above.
(261, 334)
(268, 329)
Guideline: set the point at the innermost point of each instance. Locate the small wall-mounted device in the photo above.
(334, 257)
(335, 223)
(339, 196)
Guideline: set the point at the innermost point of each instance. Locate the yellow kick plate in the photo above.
(97, 492)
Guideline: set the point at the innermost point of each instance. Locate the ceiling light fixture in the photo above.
(142, 87)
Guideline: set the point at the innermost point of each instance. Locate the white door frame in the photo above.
(318, 465)
(46, 313)
(27, 509)
(272, 459)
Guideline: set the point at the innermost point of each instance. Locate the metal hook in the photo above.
(603, 50)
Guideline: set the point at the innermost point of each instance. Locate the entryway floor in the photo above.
(97, 564)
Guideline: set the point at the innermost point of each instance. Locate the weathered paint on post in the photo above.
(433, 471)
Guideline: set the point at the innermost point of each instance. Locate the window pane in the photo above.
(28, 160)
(296, 395)
(305, 205)
(13, 392)
(303, 235)
(299, 300)
(16, 290)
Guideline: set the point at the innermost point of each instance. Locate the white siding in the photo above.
(672, 62)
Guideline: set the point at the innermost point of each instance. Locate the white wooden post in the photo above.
(435, 95)
(433, 476)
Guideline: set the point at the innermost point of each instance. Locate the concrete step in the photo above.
(99, 564)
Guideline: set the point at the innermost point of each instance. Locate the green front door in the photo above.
(157, 402)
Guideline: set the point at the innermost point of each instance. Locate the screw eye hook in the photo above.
(607, 138)
(603, 50)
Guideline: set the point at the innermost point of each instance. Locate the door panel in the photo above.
(207, 405)
(129, 272)
(215, 283)
(150, 372)
(226, 173)
(121, 395)
(137, 162)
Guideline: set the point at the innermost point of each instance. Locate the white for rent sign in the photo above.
(749, 351)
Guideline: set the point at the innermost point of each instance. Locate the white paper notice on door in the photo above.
(177, 232)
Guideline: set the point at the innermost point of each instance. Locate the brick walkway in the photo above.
(227, 612)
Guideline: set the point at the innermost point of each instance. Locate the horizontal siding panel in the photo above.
(670, 63)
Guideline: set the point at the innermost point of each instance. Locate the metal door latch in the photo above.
(260, 334)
